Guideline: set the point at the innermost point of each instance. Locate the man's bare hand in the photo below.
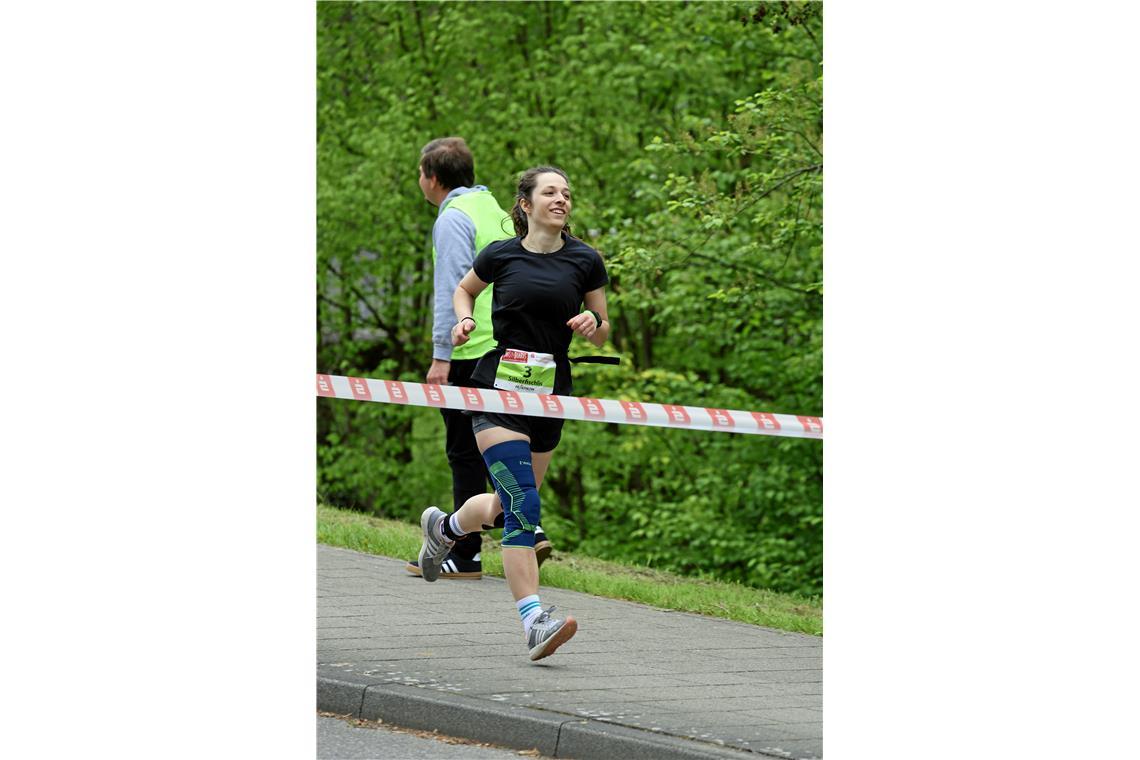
(437, 373)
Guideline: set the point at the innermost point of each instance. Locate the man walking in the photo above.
(469, 218)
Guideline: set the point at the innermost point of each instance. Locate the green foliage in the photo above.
(692, 134)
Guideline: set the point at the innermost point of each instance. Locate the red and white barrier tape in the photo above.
(569, 407)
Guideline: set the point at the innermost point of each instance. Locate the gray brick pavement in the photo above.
(634, 682)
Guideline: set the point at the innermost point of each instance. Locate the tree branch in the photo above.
(692, 252)
(796, 232)
(818, 47)
(783, 181)
(806, 139)
(361, 298)
(748, 270)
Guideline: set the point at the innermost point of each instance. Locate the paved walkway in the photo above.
(635, 682)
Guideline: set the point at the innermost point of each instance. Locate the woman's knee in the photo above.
(511, 468)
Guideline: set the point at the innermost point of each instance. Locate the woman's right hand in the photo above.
(460, 332)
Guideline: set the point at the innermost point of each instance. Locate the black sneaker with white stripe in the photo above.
(542, 545)
(453, 567)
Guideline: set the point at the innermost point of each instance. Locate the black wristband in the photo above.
(597, 318)
(471, 318)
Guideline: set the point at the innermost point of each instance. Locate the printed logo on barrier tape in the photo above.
(396, 391)
(811, 424)
(677, 414)
(766, 421)
(433, 393)
(720, 418)
(593, 409)
(551, 405)
(634, 411)
(472, 399)
(512, 401)
(360, 388)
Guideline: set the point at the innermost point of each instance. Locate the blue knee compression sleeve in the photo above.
(511, 470)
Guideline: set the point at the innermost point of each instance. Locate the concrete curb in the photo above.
(552, 733)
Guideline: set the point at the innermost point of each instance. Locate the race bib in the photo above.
(526, 371)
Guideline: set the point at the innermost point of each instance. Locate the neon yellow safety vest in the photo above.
(491, 224)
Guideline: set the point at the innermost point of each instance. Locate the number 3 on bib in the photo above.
(526, 371)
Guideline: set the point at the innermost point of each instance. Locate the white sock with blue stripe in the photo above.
(529, 609)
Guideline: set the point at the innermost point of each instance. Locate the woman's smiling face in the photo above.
(550, 202)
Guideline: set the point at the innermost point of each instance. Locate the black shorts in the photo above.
(544, 432)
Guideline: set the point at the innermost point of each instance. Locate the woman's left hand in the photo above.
(584, 324)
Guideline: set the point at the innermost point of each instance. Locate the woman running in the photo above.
(542, 279)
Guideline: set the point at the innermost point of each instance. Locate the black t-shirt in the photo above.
(534, 295)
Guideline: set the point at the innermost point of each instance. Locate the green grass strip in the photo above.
(656, 588)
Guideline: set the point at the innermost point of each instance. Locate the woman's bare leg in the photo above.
(478, 511)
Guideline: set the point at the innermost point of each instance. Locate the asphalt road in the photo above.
(341, 739)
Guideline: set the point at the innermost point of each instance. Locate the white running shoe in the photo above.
(434, 550)
(547, 634)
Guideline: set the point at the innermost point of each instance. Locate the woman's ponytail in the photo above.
(518, 216)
